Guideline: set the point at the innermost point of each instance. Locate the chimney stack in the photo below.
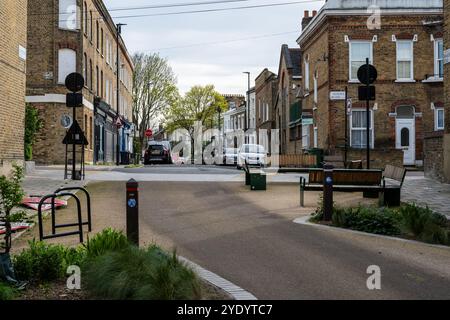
(307, 19)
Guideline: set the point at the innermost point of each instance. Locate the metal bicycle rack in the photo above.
(80, 223)
(88, 203)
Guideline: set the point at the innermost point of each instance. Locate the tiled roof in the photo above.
(293, 60)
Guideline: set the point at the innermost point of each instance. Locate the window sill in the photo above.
(354, 81)
(405, 81)
(433, 80)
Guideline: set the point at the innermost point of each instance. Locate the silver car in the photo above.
(253, 154)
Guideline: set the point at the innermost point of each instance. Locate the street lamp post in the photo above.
(247, 105)
(118, 32)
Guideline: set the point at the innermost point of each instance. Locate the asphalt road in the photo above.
(273, 258)
(182, 170)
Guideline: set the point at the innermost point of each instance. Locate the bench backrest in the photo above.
(349, 177)
(395, 173)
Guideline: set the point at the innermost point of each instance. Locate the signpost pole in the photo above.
(74, 151)
(368, 114)
(346, 126)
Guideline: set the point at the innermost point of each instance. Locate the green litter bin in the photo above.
(319, 153)
(258, 181)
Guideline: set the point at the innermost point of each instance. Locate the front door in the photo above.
(405, 140)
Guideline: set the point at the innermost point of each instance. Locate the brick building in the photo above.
(406, 48)
(13, 39)
(66, 36)
(437, 145)
(288, 105)
(265, 95)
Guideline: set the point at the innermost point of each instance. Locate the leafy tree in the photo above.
(11, 195)
(200, 104)
(154, 90)
(32, 126)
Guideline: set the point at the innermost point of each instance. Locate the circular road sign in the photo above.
(363, 73)
(149, 133)
(74, 82)
(66, 121)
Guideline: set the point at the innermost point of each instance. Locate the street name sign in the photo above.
(337, 95)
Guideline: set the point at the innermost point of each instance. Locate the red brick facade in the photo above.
(326, 46)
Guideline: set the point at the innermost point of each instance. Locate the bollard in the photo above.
(328, 193)
(302, 192)
(133, 212)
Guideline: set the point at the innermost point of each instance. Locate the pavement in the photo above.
(416, 189)
(426, 192)
(249, 238)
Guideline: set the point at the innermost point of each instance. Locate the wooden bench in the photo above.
(393, 179)
(386, 184)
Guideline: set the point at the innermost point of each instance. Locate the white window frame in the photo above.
(69, 15)
(306, 136)
(437, 111)
(306, 75)
(372, 142)
(436, 58)
(369, 42)
(316, 137)
(66, 66)
(411, 43)
(316, 94)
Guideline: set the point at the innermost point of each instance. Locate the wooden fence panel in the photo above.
(297, 161)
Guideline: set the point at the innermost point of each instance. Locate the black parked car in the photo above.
(158, 152)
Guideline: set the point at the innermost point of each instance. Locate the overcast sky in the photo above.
(223, 62)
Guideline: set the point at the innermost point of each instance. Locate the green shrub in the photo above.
(367, 219)
(105, 241)
(6, 292)
(19, 216)
(42, 262)
(135, 274)
(424, 224)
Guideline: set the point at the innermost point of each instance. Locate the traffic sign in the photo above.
(75, 135)
(366, 93)
(118, 123)
(149, 133)
(74, 100)
(367, 74)
(66, 121)
(74, 82)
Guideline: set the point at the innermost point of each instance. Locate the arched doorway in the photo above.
(406, 133)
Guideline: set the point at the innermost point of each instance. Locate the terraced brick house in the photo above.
(13, 55)
(406, 47)
(288, 105)
(66, 36)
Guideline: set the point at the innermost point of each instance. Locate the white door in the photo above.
(406, 140)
